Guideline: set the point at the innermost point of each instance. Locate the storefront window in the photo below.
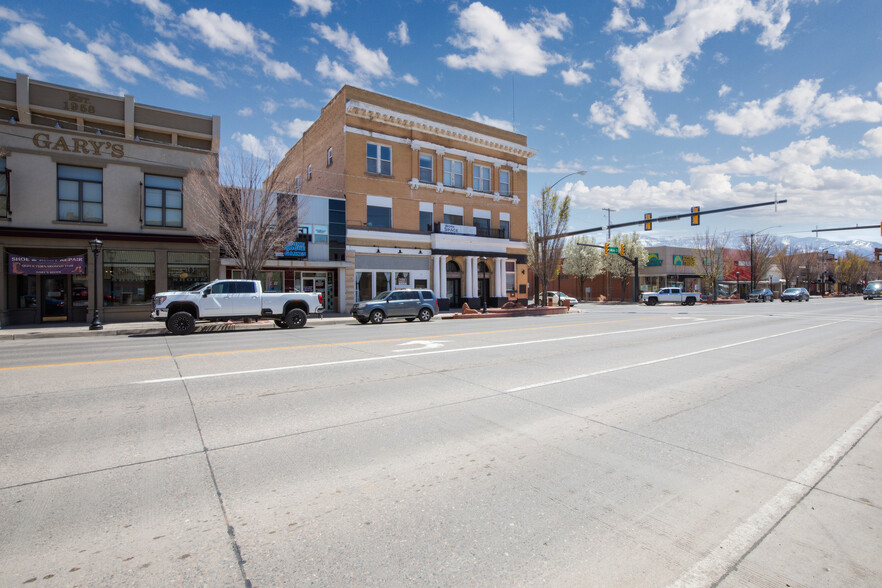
(363, 283)
(80, 290)
(186, 268)
(129, 277)
(510, 277)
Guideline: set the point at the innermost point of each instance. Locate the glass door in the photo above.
(54, 302)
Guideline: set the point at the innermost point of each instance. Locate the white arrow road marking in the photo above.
(423, 345)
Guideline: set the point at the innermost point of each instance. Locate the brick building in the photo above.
(78, 166)
(431, 199)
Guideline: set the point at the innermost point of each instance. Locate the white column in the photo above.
(442, 266)
(342, 300)
(436, 275)
(470, 276)
(500, 278)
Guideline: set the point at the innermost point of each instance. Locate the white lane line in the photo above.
(720, 559)
(423, 353)
(660, 360)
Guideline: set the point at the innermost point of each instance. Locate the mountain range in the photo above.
(862, 247)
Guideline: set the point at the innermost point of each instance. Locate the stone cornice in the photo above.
(406, 121)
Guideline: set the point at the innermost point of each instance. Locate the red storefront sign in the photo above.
(25, 265)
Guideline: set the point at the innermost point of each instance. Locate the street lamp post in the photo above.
(737, 283)
(95, 245)
(536, 242)
(483, 289)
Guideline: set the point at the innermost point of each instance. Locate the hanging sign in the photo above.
(25, 265)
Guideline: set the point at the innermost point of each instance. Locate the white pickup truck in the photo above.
(675, 295)
(223, 300)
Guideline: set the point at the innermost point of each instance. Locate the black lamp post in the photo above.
(737, 284)
(95, 245)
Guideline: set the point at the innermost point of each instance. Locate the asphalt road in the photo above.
(620, 446)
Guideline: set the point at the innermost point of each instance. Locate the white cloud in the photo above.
(184, 87)
(621, 19)
(693, 158)
(335, 71)
(293, 128)
(158, 8)
(576, 76)
(247, 111)
(723, 91)
(400, 34)
(493, 122)
(269, 106)
(224, 33)
(17, 64)
(497, 48)
(251, 144)
(659, 63)
(168, 54)
(672, 128)
(879, 90)
(9, 15)
(803, 106)
(373, 63)
(298, 103)
(125, 67)
(323, 7)
(409, 79)
(54, 53)
(873, 141)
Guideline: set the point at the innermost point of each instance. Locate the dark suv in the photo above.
(873, 290)
(407, 303)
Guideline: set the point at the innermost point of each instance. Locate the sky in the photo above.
(664, 104)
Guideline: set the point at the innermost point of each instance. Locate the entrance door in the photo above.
(453, 288)
(54, 300)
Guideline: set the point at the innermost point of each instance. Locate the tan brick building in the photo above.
(431, 199)
(78, 166)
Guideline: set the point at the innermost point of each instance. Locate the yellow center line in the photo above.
(308, 346)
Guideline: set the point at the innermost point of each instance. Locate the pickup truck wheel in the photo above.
(651, 301)
(690, 302)
(295, 318)
(281, 324)
(377, 316)
(425, 314)
(181, 323)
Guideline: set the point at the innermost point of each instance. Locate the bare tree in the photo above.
(850, 269)
(788, 261)
(630, 246)
(761, 248)
(549, 216)
(713, 262)
(582, 262)
(812, 262)
(241, 206)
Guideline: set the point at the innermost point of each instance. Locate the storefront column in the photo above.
(471, 267)
(436, 275)
(4, 304)
(442, 266)
(341, 284)
(499, 274)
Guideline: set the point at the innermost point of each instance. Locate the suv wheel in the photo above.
(425, 315)
(377, 316)
(181, 323)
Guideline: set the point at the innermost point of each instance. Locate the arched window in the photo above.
(482, 268)
(452, 267)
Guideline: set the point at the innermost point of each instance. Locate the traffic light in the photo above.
(647, 224)
(606, 248)
(696, 218)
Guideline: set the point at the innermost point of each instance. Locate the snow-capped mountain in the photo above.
(862, 247)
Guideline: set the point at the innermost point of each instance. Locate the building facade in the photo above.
(432, 200)
(80, 166)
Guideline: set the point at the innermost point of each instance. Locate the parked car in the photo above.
(873, 290)
(407, 303)
(798, 294)
(558, 298)
(761, 295)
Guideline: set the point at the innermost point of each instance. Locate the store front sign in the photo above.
(77, 145)
(684, 260)
(24, 265)
(654, 260)
(457, 229)
(293, 250)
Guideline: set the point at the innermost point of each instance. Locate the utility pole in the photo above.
(608, 237)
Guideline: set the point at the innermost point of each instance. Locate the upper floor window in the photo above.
(453, 175)
(481, 179)
(481, 223)
(330, 155)
(308, 172)
(163, 201)
(505, 229)
(427, 168)
(80, 194)
(426, 216)
(379, 159)
(379, 211)
(505, 182)
(298, 183)
(5, 207)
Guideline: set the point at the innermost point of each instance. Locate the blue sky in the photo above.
(665, 104)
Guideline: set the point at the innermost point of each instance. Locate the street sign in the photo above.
(614, 250)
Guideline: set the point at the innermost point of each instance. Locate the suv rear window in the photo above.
(427, 295)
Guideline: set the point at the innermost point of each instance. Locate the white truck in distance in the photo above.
(223, 300)
(675, 295)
